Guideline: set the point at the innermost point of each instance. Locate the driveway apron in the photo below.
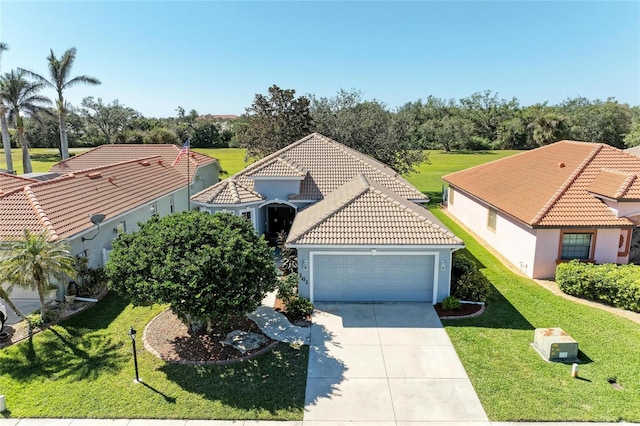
(387, 363)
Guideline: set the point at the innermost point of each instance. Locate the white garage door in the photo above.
(369, 278)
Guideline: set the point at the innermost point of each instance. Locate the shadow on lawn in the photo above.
(59, 355)
(499, 313)
(273, 381)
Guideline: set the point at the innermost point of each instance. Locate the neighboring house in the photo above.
(359, 228)
(567, 200)
(9, 182)
(125, 193)
(201, 170)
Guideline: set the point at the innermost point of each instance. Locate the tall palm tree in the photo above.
(6, 141)
(33, 260)
(21, 97)
(59, 79)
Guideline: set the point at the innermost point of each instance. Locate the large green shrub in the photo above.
(467, 282)
(611, 284)
(211, 268)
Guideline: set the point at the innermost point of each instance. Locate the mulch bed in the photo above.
(466, 309)
(170, 340)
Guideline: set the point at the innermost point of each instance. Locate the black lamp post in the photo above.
(132, 334)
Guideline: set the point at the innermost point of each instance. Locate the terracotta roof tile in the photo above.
(363, 212)
(116, 153)
(329, 165)
(228, 191)
(550, 186)
(9, 182)
(63, 205)
(611, 183)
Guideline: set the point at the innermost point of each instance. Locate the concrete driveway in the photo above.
(387, 363)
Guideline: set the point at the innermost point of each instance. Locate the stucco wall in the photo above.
(443, 255)
(93, 248)
(516, 242)
(280, 189)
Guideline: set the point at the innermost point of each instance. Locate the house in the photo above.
(199, 169)
(359, 227)
(567, 200)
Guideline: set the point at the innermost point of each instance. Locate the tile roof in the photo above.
(280, 167)
(116, 153)
(633, 151)
(228, 191)
(550, 186)
(9, 182)
(363, 212)
(62, 206)
(326, 165)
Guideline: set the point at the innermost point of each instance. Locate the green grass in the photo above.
(231, 159)
(514, 382)
(83, 368)
(428, 177)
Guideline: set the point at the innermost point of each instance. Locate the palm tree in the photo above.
(31, 261)
(20, 97)
(6, 141)
(59, 70)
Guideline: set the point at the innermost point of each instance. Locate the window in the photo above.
(576, 246)
(121, 228)
(154, 209)
(246, 215)
(493, 217)
(171, 205)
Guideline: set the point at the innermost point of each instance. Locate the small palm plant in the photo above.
(31, 261)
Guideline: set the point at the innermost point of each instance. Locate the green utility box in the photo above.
(554, 344)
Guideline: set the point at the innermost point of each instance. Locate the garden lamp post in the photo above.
(132, 334)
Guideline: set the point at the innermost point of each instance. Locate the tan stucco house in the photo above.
(361, 231)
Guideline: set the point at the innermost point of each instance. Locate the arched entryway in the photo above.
(279, 218)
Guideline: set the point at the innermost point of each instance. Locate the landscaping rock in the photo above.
(244, 341)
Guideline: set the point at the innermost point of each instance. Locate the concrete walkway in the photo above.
(387, 364)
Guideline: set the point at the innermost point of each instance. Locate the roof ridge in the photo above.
(84, 172)
(234, 191)
(330, 213)
(567, 183)
(631, 177)
(411, 208)
(262, 162)
(39, 211)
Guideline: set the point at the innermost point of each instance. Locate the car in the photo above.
(3, 315)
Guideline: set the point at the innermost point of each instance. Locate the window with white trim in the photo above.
(171, 204)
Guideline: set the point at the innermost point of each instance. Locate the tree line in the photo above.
(398, 137)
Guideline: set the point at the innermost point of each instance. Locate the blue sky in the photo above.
(215, 56)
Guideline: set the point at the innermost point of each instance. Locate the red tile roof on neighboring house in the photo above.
(62, 206)
(9, 182)
(556, 185)
(325, 164)
(115, 153)
(363, 212)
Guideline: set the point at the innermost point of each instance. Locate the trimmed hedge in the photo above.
(611, 284)
(467, 282)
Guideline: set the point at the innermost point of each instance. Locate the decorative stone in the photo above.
(244, 341)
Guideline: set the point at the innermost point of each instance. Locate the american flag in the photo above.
(183, 151)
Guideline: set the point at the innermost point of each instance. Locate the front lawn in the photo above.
(83, 368)
(514, 382)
